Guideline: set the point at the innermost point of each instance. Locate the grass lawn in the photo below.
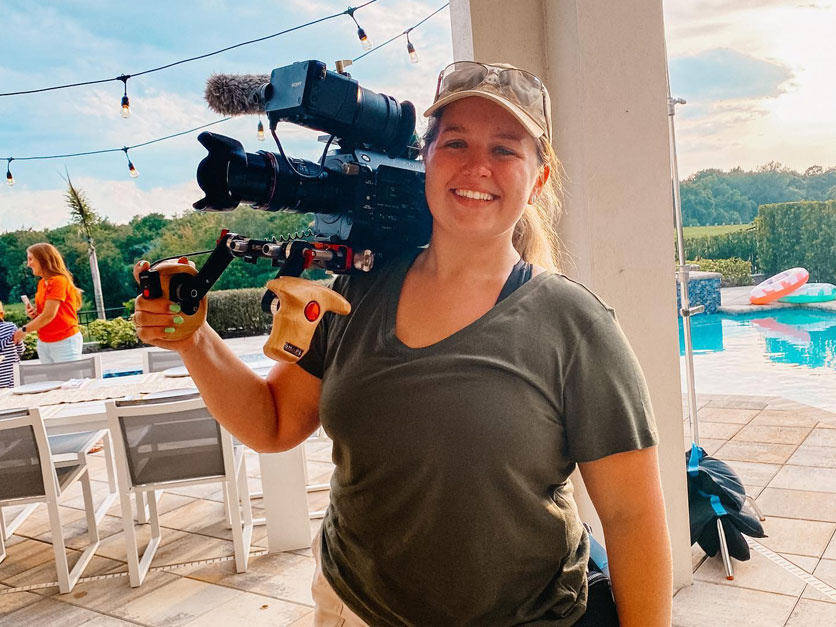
(14, 308)
(721, 229)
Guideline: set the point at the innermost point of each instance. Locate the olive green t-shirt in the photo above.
(450, 499)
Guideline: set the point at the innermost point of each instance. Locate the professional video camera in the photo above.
(367, 196)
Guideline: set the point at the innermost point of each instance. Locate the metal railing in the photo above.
(86, 317)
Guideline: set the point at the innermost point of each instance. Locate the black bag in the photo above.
(600, 606)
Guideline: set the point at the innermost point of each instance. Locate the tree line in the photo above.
(718, 197)
(151, 237)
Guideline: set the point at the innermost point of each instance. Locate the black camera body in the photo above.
(367, 194)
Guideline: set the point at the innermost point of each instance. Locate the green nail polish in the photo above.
(169, 329)
(178, 320)
(175, 308)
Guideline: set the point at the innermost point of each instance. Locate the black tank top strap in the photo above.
(520, 274)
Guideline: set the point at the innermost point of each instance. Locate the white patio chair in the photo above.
(159, 359)
(35, 469)
(161, 443)
(89, 368)
(85, 368)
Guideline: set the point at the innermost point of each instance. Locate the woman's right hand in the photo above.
(154, 316)
(30, 311)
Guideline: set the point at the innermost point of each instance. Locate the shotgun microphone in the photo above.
(238, 94)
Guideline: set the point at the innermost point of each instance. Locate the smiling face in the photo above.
(33, 264)
(482, 170)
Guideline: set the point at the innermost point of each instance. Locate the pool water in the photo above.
(805, 337)
(786, 352)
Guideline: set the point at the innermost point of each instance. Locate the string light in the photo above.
(361, 34)
(406, 32)
(260, 133)
(348, 11)
(413, 55)
(134, 172)
(126, 102)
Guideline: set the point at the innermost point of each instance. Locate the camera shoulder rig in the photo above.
(297, 305)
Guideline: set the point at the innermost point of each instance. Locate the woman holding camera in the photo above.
(55, 312)
(464, 387)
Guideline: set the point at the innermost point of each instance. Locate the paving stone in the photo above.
(724, 605)
(808, 455)
(798, 504)
(754, 473)
(253, 610)
(800, 537)
(175, 604)
(810, 613)
(725, 414)
(821, 436)
(761, 452)
(805, 478)
(773, 434)
(758, 573)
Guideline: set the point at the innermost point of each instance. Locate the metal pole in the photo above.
(682, 274)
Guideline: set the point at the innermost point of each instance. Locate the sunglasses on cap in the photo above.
(518, 87)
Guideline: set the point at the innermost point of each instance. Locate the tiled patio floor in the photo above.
(785, 453)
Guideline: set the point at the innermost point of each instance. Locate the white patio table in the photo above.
(83, 408)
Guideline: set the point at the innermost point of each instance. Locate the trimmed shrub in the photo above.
(739, 244)
(30, 346)
(116, 333)
(236, 313)
(802, 234)
(735, 271)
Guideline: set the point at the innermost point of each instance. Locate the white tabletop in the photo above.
(284, 494)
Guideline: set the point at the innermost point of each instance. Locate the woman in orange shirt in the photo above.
(57, 301)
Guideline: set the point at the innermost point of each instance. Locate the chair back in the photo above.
(168, 441)
(24, 453)
(85, 368)
(159, 359)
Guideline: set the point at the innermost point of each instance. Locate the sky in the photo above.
(757, 75)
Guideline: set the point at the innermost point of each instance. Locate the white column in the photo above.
(604, 64)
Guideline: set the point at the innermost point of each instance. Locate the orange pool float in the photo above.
(779, 285)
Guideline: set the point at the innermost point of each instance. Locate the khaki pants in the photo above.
(329, 610)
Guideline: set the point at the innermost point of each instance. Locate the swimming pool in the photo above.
(787, 352)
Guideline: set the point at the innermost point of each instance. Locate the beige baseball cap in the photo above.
(519, 92)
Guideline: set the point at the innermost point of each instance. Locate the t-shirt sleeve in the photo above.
(606, 403)
(57, 289)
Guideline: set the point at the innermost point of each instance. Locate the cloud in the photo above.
(118, 201)
(725, 74)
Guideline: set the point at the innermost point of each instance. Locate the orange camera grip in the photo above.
(301, 305)
(167, 270)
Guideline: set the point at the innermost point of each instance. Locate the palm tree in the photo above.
(83, 215)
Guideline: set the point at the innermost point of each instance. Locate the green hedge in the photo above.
(802, 234)
(739, 244)
(236, 313)
(735, 271)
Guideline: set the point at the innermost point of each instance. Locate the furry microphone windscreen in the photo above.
(236, 94)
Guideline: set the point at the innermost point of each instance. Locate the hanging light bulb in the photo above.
(364, 39)
(10, 180)
(413, 55)
(126, 102)
(260, 131)
(361, 34)
(134, 172)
